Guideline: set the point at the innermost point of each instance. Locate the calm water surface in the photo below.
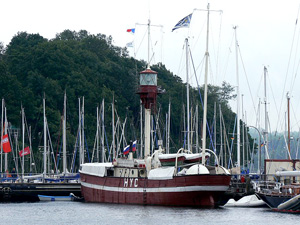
(95, 213)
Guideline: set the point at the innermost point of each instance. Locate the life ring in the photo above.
(6, 190)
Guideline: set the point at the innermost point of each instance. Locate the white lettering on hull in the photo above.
(132, 182)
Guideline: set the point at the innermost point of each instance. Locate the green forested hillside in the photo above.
(91, 66)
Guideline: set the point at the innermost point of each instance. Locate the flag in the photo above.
(25, 151)
(5, 144)
(131, 30)
(185, 22)
(126, 150)
(262, 144)
(129, 45)
(134, 146)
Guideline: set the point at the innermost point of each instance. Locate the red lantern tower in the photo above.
(148, 92)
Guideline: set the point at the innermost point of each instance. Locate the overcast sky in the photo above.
(267, 34)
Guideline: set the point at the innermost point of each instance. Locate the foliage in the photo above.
(89, 66)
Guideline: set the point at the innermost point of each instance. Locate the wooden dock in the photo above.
(28, 192)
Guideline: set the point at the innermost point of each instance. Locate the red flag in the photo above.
(5, 144)
(25, 151)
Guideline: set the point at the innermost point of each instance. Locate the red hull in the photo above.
(192, 190)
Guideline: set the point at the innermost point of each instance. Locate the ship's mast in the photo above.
(65, 136)
(45, 138)
(23, 139)
(205, 92)
(266, 114)
(187, 96)
(238, 145)
(148, 92)
(288, 116)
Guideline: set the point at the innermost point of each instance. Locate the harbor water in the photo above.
(95, 213)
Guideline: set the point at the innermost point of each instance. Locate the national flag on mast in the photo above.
(25, 151)
(126, 150)
(185, 22)
(129, 44)
(5, 144)
(134, 146)
(131, 30)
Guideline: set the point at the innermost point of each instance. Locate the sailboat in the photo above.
(283, 194)
(146, 181)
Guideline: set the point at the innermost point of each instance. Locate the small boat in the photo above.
(55, 198)
(246, 201)
(281, 197)
(170, 159)
(292, 205)
(75, 198)
(195, 157)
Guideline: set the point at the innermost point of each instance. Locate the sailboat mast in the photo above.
(82, 129)
(141, 129)
(243, 132)
(2, 121)
(187, 95)
(238, 105)
(266, 113)
(102, 137)
(197, 129)
(97, 136)
(205, 92)
(5, 132)
(80, 134)
(168, 128)
(149, 43)
(288, 116)
(113, 128)
(45, 137)
(65, 135)
(23, 139)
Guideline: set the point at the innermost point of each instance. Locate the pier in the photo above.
(18, 190)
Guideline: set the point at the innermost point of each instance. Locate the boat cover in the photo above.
(98, 169)
(163, 173)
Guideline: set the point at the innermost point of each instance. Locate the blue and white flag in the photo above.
(129, 45)
(185, 22)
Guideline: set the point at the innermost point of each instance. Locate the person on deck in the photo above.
(13, 173)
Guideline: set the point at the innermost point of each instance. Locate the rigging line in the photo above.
(287, 70)
(293, 80)
(292, 83)
(215, 55)
(29, 139)
(207, 125)
(294, 113)
(275, 102)
(198, 37)
(227, 61)
(180, 62)
(218, 51)
(211, 74)
(239, 50)
(141, 43)
(232, 142)
(257, 115)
